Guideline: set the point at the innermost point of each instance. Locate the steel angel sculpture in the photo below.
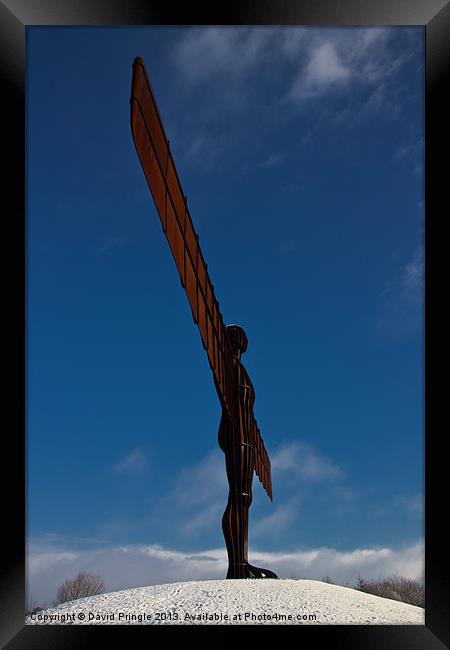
(239, 436)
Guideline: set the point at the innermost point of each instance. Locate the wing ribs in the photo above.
(154, 153)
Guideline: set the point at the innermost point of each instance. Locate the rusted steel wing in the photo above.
(157, 163)
(262, 462)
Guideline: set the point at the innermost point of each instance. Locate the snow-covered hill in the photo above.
(233, 602)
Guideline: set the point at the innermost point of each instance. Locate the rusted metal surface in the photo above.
(239, 435)
(159, 168)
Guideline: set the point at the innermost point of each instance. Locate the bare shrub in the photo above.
(328, 580)
(394, 587)
(84, 584)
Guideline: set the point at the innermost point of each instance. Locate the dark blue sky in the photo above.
(300, 151)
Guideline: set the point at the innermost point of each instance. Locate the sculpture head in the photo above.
(238, 339)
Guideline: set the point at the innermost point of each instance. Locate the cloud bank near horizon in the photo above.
(51, 560)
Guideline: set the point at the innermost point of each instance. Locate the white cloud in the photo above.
(124, 567)
(276, 71)
(411, 152)
(212, 53)
(302, 461)
(323, 70)
(111, 243)
(327, 54)
(413, 504)
(194, 503)
(203, 483)
(133, 462)
(318, 60)
(408, 283)
(204, 151)
(336, 58)
(412, 279)
(325, 67)
(115, 527)
(401, 302)
(292, 41)
(272, 161)
(199, 494)
(277, 521)
(204, 519)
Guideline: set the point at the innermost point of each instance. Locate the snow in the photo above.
(231, 602)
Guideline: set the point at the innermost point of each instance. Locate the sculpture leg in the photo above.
(239, 464)
(239, 467)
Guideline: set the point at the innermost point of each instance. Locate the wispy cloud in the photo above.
(110, 243)
(305, 463)
(320, 60)
(206, 518)
(277, 521)
(323, 70)
(401, 301)
(413, 504)
(115, 528)
(222, 53)
(355, 65)
(202, 483)
(345, 75)
(271, 161)
(411, 152)
(204, 151)
(412, 278)
(197, 499)
(199, 494)
(125, 567)
(134, 461)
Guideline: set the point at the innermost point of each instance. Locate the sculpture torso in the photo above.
(233, 433)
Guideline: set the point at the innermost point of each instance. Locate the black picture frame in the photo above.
(434, 17)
